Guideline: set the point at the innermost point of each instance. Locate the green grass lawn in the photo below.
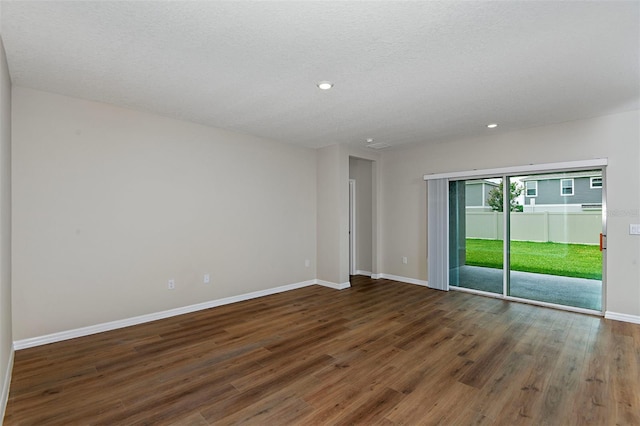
(568, 260)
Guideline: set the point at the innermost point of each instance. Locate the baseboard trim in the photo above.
(6, 385)
(113, 325)
(334, 286)
(635, 319)
(404, 279)
(376, 276)
(365, 273)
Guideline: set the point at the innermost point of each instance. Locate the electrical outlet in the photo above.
(405, 260)
(206, 279)
(307, 262)
(171, 285)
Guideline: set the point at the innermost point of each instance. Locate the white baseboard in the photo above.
(365, 273)
(6, 384)
(127, 322)
(334, 286)
(635, 319)
(113, 325)
(404, 279)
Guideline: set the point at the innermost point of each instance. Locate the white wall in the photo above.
(110, 203)
(361, 171)
(616, 137)
(6, 339)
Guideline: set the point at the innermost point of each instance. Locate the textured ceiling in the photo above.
(404, 72)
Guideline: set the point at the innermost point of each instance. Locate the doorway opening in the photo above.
(361, 216)
(352, 227)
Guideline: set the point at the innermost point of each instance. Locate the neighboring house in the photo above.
(477, 193)
(563, 192)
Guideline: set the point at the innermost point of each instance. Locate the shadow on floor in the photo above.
(576, 292)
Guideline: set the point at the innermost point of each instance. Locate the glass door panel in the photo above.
(555, 221)
(476, 235)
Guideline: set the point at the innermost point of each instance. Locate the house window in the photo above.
(596, 182)
(566, 187)
(531, 188)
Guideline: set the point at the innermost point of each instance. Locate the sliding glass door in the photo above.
(534, 237)
(554, 249)
(475, 235)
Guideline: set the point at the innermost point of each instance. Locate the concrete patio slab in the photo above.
(568, 291)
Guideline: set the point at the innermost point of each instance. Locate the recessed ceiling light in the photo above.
(324, 85)
(492, 125)
(369, 140)
(378, 145)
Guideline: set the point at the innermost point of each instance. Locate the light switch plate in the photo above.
(634, 229)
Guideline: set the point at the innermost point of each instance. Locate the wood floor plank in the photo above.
(497, 394)
(226, 407)
(428, 392)
(565, 379)
(380, 352)
(281, 407)
(194, 419)
(372, 407)
(625, 391)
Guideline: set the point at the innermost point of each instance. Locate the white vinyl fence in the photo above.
(572, 228)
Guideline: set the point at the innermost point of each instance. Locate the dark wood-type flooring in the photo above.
(381, 352)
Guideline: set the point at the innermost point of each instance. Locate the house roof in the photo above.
(485, 181)
(404, 72)
(569, 175)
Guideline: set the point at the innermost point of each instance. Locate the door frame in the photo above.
(352, 227)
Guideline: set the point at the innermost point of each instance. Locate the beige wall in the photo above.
(328, 219)
(362, 172)
(110, 203)
(615, 137)
(6, 339)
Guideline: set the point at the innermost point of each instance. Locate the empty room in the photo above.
(319, 212)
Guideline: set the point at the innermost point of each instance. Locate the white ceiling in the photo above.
(404, 72)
